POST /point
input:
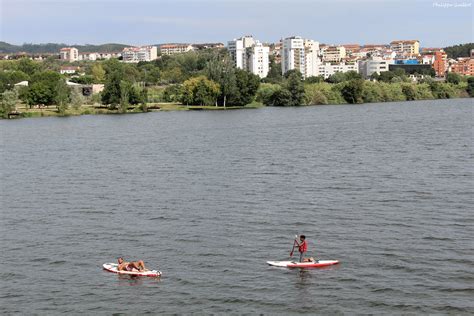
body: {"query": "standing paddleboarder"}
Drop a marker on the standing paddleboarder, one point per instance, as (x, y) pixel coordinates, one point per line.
(302, 247)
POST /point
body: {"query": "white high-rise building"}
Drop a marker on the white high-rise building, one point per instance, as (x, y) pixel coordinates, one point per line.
(249, 54)
(137, 54)
(293, 55)
(237, 49)
(300, 54)
(258, 60)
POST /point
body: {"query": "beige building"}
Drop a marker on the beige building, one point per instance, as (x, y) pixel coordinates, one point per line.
(406, 47)
(171, 49)
(69, 54)
(334, 53)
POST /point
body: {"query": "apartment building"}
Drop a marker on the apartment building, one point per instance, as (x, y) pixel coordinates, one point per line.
(293, 55)
(69, 54)
(202, 46)
(463, 66)
(351, 48)
(300, 54)
(137, 54)
(88, 56)
(171, 49)
(406, 47)
(238, 50)
(334, 53)
(440, 63)
(258, 59)
(250, 54)
(328, 69)
(373, 65)
(312, 60)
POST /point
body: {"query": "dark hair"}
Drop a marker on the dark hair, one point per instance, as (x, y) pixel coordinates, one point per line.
(303, 236)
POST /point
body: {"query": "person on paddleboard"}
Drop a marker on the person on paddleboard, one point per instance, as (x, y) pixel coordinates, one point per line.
(302, 247)
(131, 266)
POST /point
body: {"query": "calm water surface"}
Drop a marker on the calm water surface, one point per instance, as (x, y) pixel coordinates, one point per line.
(208, 197)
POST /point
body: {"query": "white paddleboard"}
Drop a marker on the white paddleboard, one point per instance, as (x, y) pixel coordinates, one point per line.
(112, 267)
(296, 264)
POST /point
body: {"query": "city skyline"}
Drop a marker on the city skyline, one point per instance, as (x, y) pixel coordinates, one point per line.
(435, 24)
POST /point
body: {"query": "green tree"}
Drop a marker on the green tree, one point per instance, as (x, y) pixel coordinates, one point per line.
(199, 91)
(314, 79)
(87, 79)
(77, 99)
(222, 72)
(337, 77)
(352, 91)
(386, 76)
(39, 93)
(98, 73)
(461, 50)
(274, 72)
(453, 78)
(144, 100)
(265, 92)
(125, 89)
(172, 93)
(352, 75)
(470, 86)
(61, 96)
(442, 91)
(295, 86)
(409, 91)
(8, 102)
(9, 78)
(28, 66)
(281, 97)
(246, 87)
(111, 94)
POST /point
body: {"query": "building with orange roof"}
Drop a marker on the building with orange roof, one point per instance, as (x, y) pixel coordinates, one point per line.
(463, 66)
(69, 54)
(171, 49)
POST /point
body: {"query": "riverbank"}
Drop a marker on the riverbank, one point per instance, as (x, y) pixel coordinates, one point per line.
(49, 111)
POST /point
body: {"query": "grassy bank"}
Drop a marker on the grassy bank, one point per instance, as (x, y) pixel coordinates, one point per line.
(50, 111)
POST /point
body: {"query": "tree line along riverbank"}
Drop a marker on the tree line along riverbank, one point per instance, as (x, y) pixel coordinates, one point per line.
(201, 80)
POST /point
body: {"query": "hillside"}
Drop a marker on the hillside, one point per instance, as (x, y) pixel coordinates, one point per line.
(461, 50)
(6, 48)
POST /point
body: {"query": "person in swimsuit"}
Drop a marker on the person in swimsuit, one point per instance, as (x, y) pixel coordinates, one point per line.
(134, 266)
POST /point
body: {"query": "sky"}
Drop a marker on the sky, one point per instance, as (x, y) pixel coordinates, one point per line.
(436, 23)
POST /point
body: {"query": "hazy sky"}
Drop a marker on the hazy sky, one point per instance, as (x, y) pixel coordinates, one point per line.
(434, 23)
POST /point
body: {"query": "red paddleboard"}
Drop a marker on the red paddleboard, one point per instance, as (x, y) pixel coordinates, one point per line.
(311, 264)
(112, 267)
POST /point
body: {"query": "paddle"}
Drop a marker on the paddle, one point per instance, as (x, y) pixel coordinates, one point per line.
(294, 243)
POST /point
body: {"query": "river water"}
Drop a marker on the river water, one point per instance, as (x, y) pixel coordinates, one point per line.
(209, 197)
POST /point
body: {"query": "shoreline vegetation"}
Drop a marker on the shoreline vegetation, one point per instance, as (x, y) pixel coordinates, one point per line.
(204, 80)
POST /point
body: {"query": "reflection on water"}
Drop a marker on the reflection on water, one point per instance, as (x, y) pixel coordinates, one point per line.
(131, 280)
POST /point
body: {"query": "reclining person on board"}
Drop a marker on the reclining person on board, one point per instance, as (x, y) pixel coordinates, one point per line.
(134, 266)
